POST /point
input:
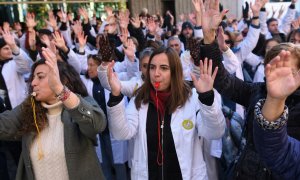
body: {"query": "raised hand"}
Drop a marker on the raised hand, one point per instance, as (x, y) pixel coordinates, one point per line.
(221, 40)
(256, 7)
(211, 18)
(9, 39)
(30, 20)
(59, 41)
(143, 21)
(206, 81)
(171, 18)
(113, 80)
(53, 79)
(124, 18)
(281, 79)
(77, 28)
(135, 21)
(192, 18)
(109, 11)
(82, 39)
(151, 26)
(246, 11)
(130, 49)
(52, 20)
(84, 14)
(197, 5)
(124, 35)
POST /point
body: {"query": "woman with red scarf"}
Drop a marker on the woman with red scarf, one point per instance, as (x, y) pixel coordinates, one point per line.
(166, 119)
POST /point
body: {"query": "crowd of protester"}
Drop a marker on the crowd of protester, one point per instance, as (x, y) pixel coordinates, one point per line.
(145, 97)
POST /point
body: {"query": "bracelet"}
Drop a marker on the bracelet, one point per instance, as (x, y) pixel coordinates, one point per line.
(255, 17)
(267, 125)
(64, 94)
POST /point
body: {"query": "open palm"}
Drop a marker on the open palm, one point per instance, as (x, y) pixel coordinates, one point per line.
(53, 80)
(211, 16)
(206, 81)
(113, 80)
(280, 78)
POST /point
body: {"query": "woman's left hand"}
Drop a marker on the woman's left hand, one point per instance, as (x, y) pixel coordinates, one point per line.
(206, 81)
(53, 79)
(280, 78)
(113, 80)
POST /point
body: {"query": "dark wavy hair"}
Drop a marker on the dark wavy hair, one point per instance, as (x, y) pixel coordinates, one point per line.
(68, 76)
(180, 90)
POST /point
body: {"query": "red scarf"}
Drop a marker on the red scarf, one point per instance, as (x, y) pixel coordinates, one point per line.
(159, 99)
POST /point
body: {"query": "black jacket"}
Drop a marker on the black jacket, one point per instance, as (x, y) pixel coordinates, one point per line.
(249, 165)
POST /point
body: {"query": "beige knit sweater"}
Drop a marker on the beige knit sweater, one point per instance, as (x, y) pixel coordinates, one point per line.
(53, 164)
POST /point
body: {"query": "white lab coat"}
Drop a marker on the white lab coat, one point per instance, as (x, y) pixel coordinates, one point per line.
(12, 73)
(209, 123)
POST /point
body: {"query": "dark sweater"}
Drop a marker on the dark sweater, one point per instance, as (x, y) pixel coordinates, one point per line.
(170, 162)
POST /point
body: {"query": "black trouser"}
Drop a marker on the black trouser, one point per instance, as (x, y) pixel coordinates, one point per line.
(9, 158)
(3, 167)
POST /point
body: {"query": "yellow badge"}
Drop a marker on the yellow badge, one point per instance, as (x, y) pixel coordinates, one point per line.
(136, 87)
(187, 124)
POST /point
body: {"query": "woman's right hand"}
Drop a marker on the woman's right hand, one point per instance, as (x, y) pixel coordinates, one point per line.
(113, 80)
(221, 40)
(54, 79)
(211, 19)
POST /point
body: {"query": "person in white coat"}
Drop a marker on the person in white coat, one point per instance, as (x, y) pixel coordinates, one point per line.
(112, 153)
(167, 120)
(14, 64)
(259, 75)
